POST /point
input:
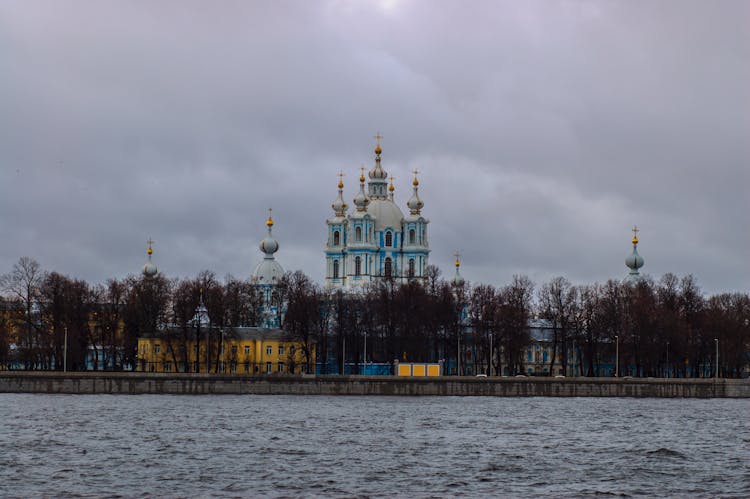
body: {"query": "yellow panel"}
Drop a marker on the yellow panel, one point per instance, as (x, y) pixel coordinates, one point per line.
(433, 370)
(419, 370)
(404, 369)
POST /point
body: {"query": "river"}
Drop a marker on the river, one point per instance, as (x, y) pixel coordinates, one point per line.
(290, 446)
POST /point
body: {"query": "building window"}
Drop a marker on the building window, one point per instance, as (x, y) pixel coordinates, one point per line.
(157, 348)
(528, 356)
(358, 234)
(247, 350)
(291, 351)
(335, 269)
(233, 367)
(358, 265)
(269, 350)
(389, 238)
(411, 267)
(336, 238)
(268, 368)
(412, 236)
(281, 367)
(167, 367)
(234, 350)
(247, 368)
(281, 350)
(388, 270)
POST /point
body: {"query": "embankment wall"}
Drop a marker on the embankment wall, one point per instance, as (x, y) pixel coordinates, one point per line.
(201, 384)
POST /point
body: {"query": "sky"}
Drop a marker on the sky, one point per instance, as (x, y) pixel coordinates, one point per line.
(542, 130)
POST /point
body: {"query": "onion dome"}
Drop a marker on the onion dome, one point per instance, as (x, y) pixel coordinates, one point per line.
(268, 271)
(415, 204)
(149, 270)
(361, 200)
(269, 245)
(339, 206)
(634, 261)
(457, 280)
(377, 173)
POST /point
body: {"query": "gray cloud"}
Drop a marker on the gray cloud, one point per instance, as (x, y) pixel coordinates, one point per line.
(543, 130)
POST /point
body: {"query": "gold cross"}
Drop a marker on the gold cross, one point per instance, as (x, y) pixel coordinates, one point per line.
(457, 254)
(341, 175)
(378, 137)
(150, 242)
(635, 231)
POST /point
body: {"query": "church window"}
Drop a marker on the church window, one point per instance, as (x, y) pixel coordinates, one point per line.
(358, 265)
(412, 236)
(388, 268)
(247, 350)
(336, 238)
(411, 267)
(389, 239)
(358, 234)
(335, 269)
(269, 350)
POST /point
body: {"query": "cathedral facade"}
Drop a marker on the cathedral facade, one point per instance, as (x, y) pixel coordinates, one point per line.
(375, 241)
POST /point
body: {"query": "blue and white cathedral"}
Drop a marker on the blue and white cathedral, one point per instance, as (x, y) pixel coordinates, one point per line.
(375, 240)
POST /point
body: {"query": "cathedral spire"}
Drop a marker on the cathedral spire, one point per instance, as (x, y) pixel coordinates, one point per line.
(634, 261)
(361, 200)
(378, 176)
(415, 204)
(339, 206)
(269, 245)
(149, 270)
(457, 280)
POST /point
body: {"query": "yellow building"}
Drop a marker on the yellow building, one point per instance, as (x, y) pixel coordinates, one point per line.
(245, 350)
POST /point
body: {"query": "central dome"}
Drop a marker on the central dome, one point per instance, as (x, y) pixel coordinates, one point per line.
(386, 214)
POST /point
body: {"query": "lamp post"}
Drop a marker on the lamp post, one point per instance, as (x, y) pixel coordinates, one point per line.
(343, 355)
(65, 351)
(716, 340)
(490, 368)
(667, 359)
(365, 355)
(617, 356)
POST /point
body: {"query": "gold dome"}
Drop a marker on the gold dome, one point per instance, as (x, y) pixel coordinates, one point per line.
(378, 150)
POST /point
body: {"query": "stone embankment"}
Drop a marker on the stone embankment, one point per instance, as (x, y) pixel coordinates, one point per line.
(202, 384)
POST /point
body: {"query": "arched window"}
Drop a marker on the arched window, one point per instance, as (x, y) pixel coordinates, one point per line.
(336, 238)
(389, 238)
(358, 265)
(388, 268)
(412, 236)
(358, 234)
(411, 267)
(335, 269)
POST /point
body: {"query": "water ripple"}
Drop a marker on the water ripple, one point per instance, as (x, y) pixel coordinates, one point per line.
(286, 446)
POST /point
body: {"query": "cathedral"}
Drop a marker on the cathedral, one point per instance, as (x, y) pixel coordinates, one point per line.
(375, 240)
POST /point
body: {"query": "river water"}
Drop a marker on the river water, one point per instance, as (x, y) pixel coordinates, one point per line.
(240, 446)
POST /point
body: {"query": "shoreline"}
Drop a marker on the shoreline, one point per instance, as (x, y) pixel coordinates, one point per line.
(134, 383)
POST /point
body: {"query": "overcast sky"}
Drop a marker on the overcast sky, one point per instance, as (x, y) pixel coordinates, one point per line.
(543, 130)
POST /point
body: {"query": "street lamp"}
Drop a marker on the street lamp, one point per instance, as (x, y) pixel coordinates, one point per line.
(716, 340)
(667, 359)
(490, 368)
(65, 351)
(617, 356)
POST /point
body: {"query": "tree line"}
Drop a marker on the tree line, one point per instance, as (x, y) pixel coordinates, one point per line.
(657, 326)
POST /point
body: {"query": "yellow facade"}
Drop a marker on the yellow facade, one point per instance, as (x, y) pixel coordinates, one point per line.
(243, 355)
